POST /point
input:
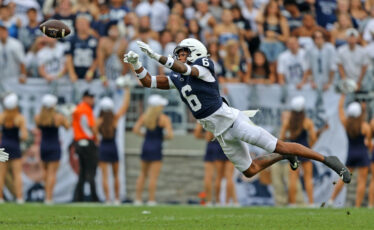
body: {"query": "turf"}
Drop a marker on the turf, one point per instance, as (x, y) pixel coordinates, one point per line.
(87, 216)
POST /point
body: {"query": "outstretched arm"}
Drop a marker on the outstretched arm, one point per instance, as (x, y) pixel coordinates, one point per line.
(160, 82)
(169, 62)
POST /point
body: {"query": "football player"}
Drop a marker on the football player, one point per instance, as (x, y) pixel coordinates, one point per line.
(194, 78)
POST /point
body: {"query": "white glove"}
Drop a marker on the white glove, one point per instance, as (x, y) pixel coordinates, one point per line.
(125, 81)
(147, 50)
(3, 155)
(133, 59)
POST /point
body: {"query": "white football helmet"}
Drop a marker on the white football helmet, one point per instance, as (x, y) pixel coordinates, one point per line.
(195, 47)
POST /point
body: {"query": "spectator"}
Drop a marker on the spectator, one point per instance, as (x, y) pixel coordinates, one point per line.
(11, 57)
(352, 59)
(118, 10)
(274, 29)
(294, 16)
(14, 130)
(175, 24)
(51, 60)
(325, 13)
(306, 31)
(227, 30)
(260, 71)
(338, 33)
(194, 29)
(144, 34)
(110, 52)
(369, 5)
(81, 57)
(101, 25)
(359, 142)
(178, 9)
(250, 13)
(235, 67)
(300, 129)
(245, 31)
(155, 122)
(127, 27)
(10, 22)
(189, 9)
(157, 11)
(65, 14)
(369, 27)
(28, 33)
(85, 135)
(31, 61)
(215, 8)
(214, 56)
(204, 17)
(108, 154)
(19, 10)
(321, 63)
(168, 46)
(357, 11)
(87, 8)
(49, 121)
(291, 64)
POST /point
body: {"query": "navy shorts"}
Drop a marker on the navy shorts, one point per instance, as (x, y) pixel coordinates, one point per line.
(108, 151)
(358, 159)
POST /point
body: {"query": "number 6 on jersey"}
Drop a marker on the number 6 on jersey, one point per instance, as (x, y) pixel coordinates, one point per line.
(192, 99)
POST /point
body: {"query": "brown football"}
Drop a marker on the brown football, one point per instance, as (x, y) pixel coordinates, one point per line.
(55, 29)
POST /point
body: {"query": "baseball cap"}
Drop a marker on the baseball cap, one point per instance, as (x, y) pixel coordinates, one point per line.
(352, 32)
(354, 110)
(298, 103)
(49, 100)
(11, 101)
(106, 104)
(157, 100)
(88, 93)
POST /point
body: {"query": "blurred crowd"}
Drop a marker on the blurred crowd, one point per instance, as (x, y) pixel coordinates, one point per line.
(295, 42)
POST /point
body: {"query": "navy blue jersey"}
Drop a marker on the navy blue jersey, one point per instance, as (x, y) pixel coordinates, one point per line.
(202, 97)
(325, 12)
(83, 53)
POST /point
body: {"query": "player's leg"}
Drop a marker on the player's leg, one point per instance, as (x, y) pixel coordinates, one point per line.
(371, 187)
(219, 176)
(16, 166)
(3, 170)
(144, 166)
(255, 135)
(115, 169)
(154, 171)
(293, 178)
(361, 185)
(104, 177)
(308, 180)
(208, 180)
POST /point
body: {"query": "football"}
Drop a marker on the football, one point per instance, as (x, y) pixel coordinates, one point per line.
(54, 29)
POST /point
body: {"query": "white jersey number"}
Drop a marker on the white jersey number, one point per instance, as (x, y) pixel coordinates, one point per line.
(192, 100)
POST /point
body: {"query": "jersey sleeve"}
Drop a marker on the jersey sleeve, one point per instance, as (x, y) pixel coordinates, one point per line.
(205, 62)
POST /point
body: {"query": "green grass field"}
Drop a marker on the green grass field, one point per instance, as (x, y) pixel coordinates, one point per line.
(87, 216)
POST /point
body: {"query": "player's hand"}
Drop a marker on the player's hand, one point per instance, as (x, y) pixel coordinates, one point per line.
(3, 155)
(133, 59)
(148, 50)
